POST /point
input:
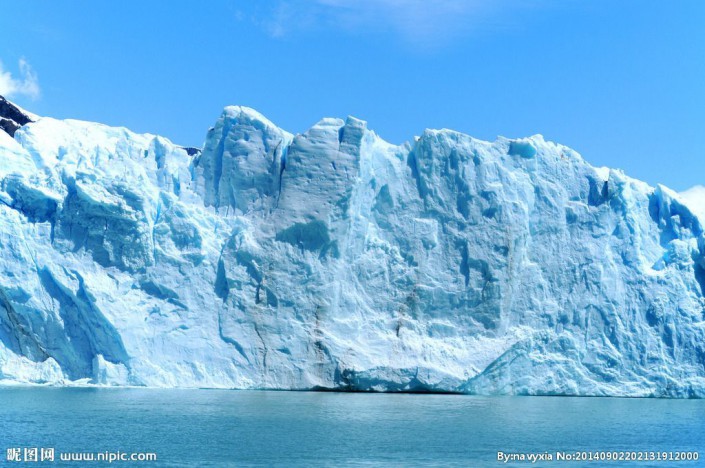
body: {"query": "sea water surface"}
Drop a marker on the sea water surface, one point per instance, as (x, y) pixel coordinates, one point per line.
(253, 428)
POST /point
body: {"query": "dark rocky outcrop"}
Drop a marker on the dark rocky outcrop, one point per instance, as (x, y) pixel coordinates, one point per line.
(11, 117)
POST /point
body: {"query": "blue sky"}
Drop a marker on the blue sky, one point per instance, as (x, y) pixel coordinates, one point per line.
(622, 82)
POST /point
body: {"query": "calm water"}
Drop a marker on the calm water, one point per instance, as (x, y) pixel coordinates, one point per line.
(231, 428)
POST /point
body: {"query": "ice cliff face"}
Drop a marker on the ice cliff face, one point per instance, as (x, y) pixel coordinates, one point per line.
(335, 260)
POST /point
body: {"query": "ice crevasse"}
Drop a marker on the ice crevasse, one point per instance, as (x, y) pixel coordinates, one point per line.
(335, 260)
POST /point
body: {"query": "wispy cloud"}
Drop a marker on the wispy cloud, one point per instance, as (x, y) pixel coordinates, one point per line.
(416, 21)
(25, 84)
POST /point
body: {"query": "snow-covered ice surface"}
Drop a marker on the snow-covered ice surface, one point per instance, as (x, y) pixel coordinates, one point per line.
(694, 198)
(335, 260)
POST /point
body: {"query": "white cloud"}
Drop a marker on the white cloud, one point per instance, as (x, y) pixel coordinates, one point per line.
(26, 84)
(420, 22)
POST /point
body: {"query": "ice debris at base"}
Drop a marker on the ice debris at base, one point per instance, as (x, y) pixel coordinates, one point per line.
(335, 260)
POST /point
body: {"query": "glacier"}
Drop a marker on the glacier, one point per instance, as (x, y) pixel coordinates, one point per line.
(333, 260)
